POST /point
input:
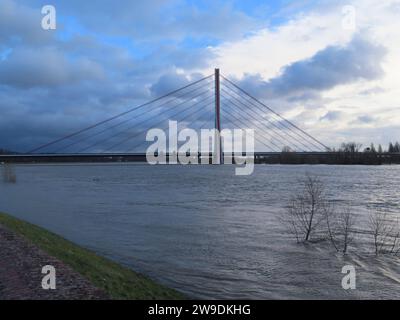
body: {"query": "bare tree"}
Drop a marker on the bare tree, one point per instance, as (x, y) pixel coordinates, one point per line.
(346, 224)
(341, 228)
(306, 210)
(395, 243)
(351, 147)
(385, 233)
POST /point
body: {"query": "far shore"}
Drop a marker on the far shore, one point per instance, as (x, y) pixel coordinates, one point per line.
(290, 158)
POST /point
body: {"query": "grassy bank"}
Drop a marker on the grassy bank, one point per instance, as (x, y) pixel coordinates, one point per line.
(119, 282)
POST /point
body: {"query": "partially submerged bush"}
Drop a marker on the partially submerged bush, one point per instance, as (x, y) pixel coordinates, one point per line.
(306, 210)
(310, 215)
(340, 225)
(385, 232)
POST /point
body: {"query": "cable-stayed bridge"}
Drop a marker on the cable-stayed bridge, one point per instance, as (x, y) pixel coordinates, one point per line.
(211, 102)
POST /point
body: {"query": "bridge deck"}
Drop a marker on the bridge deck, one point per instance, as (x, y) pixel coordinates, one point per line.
(260, 157)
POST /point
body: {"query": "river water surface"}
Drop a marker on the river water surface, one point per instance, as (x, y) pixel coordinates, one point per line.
(205, 231)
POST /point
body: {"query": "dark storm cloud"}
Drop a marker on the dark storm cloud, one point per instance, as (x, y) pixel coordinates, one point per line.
(335, 65)
(27, 67)
(21, 24)
(50, 86)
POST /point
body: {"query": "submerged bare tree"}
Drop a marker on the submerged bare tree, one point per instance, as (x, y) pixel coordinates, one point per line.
(385, 232)
(306, 210)
(341, 228)
(395, 241)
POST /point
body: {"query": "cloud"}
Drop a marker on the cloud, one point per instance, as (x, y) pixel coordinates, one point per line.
(169, 82)
(365, 119)
(22, 24)
(372, 91)
(332, 116)
(333, 66)
(27, 67)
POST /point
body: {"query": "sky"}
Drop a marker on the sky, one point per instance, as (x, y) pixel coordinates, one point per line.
(331, 67)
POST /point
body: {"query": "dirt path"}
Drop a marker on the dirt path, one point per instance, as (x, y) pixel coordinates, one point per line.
(21, 278)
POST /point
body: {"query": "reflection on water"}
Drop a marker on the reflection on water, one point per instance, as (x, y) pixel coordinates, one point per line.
(205, 231)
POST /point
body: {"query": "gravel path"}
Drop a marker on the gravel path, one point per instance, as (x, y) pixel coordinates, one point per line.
(21, 278)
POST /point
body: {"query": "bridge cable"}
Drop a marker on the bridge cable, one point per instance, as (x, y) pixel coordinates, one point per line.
(130, 137)
(277, 114)
(205, 111)
(230, 116)
(247, 110)
(258, 127)
(255, 137)
(138, 124)
(122, 122)
(116, 116)
(291, 130)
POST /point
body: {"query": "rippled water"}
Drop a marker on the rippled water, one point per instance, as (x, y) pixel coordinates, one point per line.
(207, 232)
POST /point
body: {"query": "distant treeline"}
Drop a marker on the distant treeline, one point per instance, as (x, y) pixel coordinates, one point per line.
(5, 151)
(358, 147)
(340, 158)
(351, 153)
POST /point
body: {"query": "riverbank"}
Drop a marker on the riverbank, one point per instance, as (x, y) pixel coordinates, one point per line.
(80, 273)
